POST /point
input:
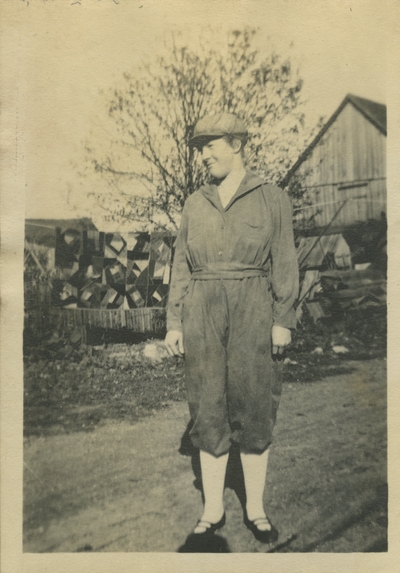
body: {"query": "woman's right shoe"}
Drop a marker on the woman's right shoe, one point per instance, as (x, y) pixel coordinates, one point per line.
(210, 527)
(263, 535)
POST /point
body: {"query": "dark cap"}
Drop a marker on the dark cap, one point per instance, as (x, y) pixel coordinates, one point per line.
(214, 126)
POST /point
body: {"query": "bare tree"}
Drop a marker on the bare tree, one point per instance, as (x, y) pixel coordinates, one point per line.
(158, 104)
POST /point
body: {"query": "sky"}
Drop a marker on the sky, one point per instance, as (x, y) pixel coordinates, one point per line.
(67, 52)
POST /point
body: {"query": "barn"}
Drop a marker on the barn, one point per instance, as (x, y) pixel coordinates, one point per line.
(343, 170)
(340, 219)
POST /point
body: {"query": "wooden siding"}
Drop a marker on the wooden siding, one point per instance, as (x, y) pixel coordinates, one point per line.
(362, 203)
(348, 162)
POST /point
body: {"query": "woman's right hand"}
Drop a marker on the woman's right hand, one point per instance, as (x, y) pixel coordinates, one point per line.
(174, 343)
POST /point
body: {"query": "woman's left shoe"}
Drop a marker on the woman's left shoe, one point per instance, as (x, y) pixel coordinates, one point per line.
(263, 535)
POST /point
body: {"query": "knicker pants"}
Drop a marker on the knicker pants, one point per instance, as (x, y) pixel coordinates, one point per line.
(233, 387)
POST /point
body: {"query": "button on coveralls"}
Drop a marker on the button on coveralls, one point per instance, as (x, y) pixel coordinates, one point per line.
(234, 275)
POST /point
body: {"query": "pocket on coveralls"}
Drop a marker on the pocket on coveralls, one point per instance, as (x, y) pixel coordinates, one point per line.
(253, 230)
(253, 224)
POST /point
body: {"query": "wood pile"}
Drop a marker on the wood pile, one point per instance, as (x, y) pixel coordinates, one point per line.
(325, 292)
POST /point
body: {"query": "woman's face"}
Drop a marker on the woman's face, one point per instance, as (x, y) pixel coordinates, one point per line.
(218, 156)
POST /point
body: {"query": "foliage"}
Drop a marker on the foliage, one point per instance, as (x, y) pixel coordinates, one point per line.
(38, 271)
(156, 107)
(301, 199)
(368, 242)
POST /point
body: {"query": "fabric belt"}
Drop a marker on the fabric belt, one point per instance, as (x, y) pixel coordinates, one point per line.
(230, 273)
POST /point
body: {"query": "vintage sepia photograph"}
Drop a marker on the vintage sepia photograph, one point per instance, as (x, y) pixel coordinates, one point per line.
(203, 277)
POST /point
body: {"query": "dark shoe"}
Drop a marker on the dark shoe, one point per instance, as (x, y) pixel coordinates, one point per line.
(210, 527)
(265, 536)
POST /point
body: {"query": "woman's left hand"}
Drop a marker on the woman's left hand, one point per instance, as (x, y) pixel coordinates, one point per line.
(281, 337)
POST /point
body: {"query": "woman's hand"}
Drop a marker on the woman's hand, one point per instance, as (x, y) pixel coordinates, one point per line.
(174, 343)
(281, 337)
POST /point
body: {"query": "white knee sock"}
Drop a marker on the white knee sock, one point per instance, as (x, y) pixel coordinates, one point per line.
(255, 473)
(213, 477)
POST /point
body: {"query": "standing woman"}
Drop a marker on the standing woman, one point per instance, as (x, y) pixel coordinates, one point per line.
(234, 283)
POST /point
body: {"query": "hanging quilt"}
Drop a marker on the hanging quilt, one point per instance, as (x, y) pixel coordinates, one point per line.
(112, 270)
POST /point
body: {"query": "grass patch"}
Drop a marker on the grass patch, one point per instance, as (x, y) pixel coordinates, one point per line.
(93, 385)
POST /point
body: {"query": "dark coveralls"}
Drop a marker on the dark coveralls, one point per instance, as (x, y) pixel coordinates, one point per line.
(235, 274)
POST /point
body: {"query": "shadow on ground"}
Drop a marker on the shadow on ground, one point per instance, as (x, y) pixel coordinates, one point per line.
(377, 505)
(235, 481)
(204, 544)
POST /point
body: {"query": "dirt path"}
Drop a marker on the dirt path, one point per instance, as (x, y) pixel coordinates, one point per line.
(126, 487)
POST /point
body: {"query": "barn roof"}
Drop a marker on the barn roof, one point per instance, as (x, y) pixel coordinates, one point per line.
(373, 111)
